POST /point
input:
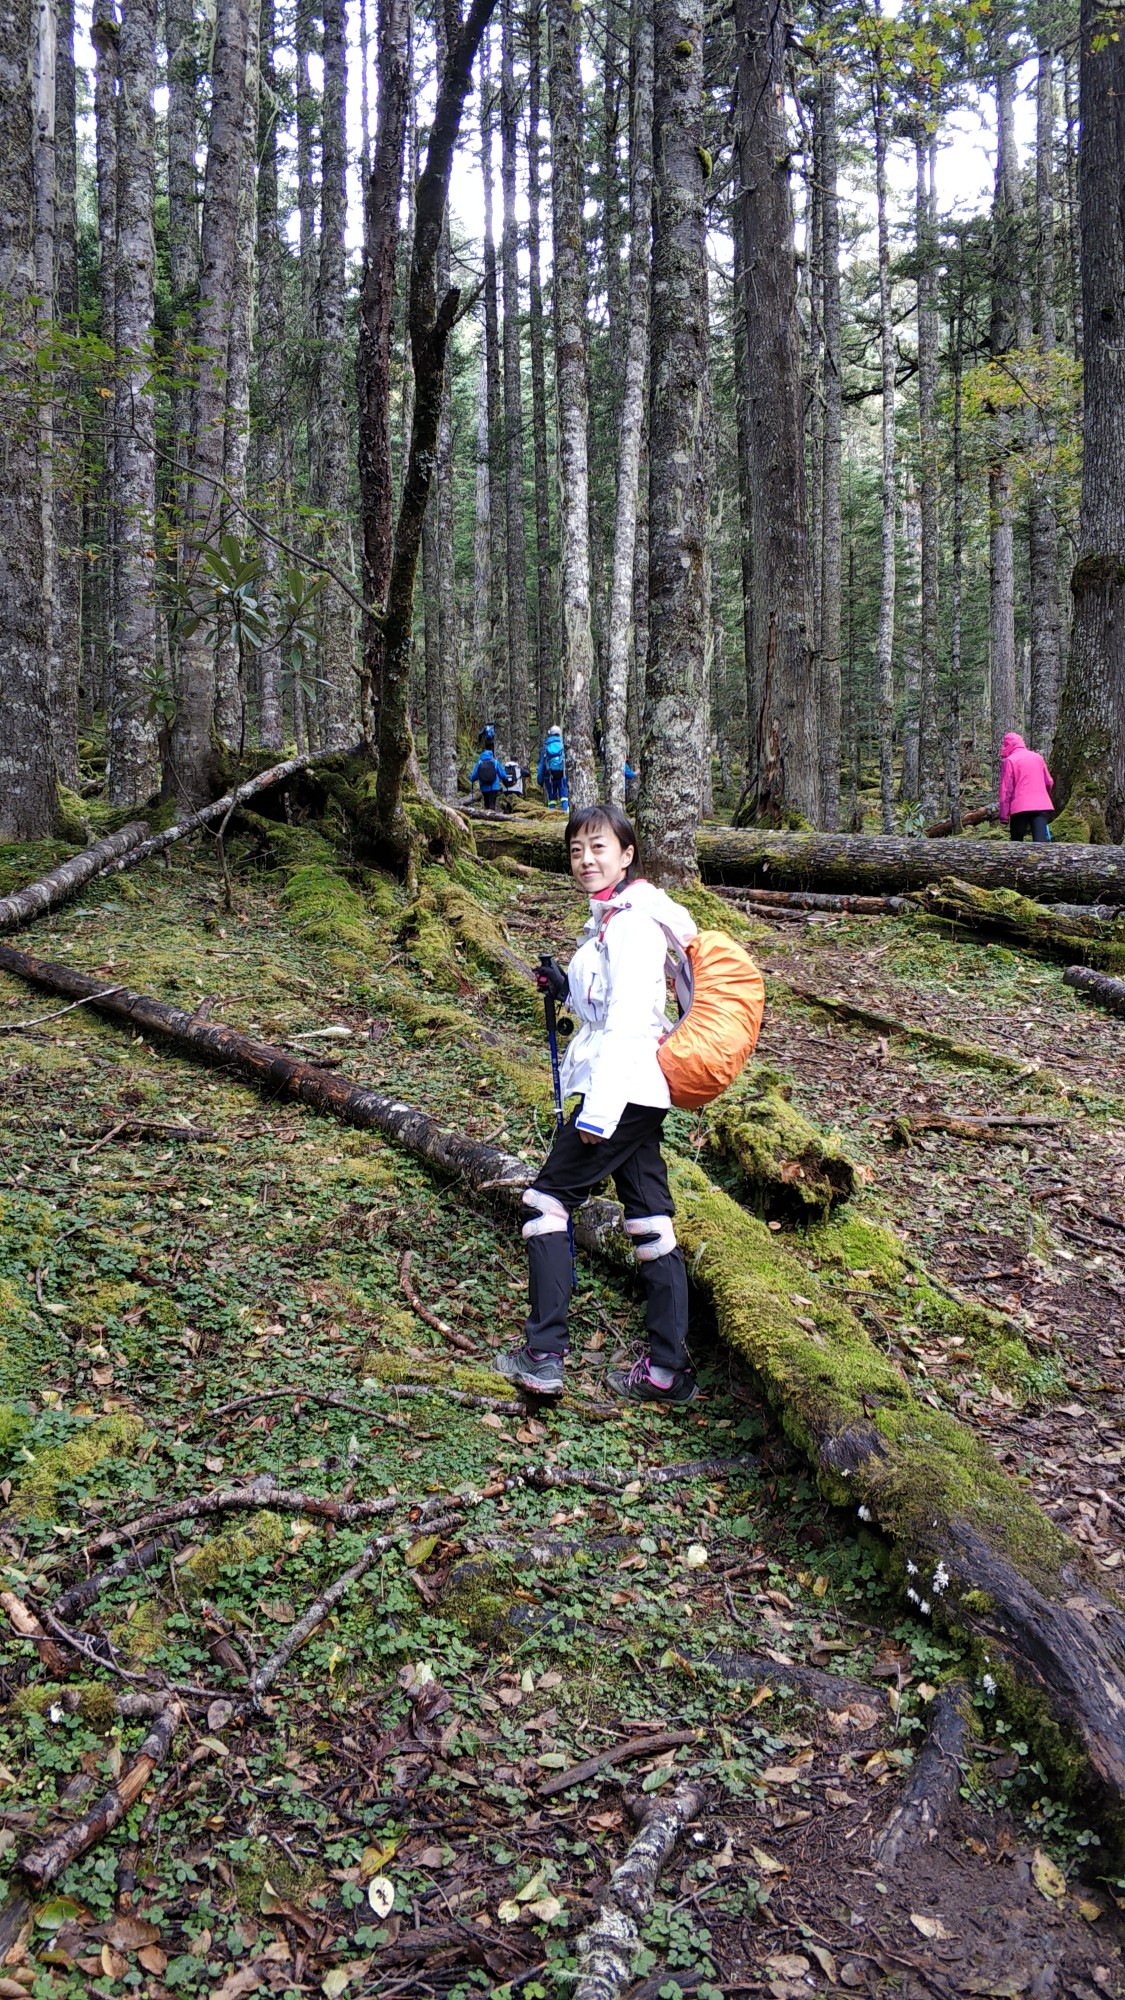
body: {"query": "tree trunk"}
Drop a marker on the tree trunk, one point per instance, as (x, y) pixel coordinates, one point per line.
(67, 653)
(440, 610)
(481, 675)
(306, 109)
(1003, 335)
(191, 755)
(183, 218)
(430, 323)
(1090, 752)
(272, 456)
(544, 587)
(929, 759)
(1043, 550)
(46, 191)
(103, 34)
(27, 791)
(678, 414)
(860, 864)
(133, 763)
(831, 516)
(783, 713)
(620, 624)
(376, 317)
(886, 676)
(569, 275)
(518, 745)
(230, 688)
(336, 661)
(497, 703)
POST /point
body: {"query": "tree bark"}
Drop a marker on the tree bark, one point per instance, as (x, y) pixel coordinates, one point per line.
(620, 624)
(782, 692)
(183, 217)
(496, 679)
(858, 863)
(544, 586)
(1090, 742)
(1108, 993)
(44, 57)
(67, 652)
(336, 661)
(569, 277)
(230, 679)
(27, 790)
(271, 435)
(133, 763)
(1003, 335)
(191, 752)
(103, 34)
(953, 739)
(430, 324)
(678, 413)
(70, 876)
(481, 668)
(373, 355)
(518, 744)
(307, 133)
(1043, 538)
(831, 516)
(929, 760)
(886, 678)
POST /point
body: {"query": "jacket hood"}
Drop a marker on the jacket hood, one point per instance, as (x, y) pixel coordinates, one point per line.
(554, 735)
(1012, 742)
(654, 903)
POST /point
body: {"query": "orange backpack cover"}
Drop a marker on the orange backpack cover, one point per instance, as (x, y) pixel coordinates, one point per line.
(722, 998)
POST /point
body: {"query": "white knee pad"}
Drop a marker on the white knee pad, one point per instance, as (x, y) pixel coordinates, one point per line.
(552, 1218)
(658, 1229)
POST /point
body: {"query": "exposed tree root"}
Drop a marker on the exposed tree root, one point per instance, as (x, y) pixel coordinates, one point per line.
(622, 1753)
(43, 1864)
(935, 1780)
(607, 1947)
(70, 876)
(439, 1325)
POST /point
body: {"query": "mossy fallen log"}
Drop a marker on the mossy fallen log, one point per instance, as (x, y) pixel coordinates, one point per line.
(970, 1543)
(788, 1169)
(855, 864)
(1060, 931)
(1109, 993)
(70, 876)
(971, 1546)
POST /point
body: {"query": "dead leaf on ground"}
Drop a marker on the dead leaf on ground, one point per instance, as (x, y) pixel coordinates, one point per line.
(928, 1927)
(1048, 1879)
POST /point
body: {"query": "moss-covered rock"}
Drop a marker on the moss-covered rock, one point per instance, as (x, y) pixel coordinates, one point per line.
(105, 1437)
(787, 1167)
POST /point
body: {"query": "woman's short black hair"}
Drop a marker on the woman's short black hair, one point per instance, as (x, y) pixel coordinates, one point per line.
(591, 819)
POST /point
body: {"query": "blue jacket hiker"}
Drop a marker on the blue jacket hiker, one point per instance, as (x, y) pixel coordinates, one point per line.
(552, 767)
(615, 984)
(488, 774)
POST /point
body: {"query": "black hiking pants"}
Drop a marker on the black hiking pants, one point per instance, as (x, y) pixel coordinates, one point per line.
(633, 1160)
(1033, 823)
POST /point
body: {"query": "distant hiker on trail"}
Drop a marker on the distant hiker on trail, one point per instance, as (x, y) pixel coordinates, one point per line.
(487, 737)
(1025, 789)
(616, 986)
(552, 767)
(630, 783)
(488, 774)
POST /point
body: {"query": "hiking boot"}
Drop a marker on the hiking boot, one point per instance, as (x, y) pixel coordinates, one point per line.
(638, 1386)
(539, 1374)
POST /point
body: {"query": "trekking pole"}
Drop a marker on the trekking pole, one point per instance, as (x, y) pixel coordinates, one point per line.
(545, 962)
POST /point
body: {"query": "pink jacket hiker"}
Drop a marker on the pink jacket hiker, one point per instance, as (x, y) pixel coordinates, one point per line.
(1025, 782)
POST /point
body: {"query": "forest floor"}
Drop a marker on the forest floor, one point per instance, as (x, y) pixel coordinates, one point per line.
(188, 1271)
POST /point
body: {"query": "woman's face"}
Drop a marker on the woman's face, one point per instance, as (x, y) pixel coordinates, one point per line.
(597, 859)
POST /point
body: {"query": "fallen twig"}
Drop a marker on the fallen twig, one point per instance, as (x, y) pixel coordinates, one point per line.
(39, 1020)
(502, 1405)
(606, 1948)
(441, 1326)
(816, 1682)
(328, 1402)
(261, 1492)
(318, 1611)
(43, 1864)
(82, 1594)
(639, 1746)
(27, 1625)
(644, 1475)
(934, 1781)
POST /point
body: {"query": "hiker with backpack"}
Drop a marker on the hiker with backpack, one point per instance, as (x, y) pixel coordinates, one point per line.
(488, 774)
(1025, 790)
(552, 767)
(615, 984)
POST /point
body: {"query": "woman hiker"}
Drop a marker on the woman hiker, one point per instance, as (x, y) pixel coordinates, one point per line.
(615, 985)
(1025, 789)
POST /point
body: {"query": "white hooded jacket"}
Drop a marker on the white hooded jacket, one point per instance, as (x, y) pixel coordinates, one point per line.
(618, 991)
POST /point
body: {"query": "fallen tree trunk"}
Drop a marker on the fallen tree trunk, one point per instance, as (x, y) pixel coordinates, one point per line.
(983, 1556)
(935, 1781)
(941, 827)
(788, 1169)
(1052, 930)
(222, 809)
(50, 890)
(852, 863)
(811, 899)
(606, 1949)
(45, 1863)
(1107, 992)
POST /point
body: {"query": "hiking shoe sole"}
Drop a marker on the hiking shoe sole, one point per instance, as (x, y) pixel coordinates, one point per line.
(634, 1389)
(538, 1376)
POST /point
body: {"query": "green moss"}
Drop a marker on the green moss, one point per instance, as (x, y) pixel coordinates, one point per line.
(327, 911)
(223, 1556)
(786, 1166)
(92, 1700)
(1033, 926)
(106, 1437)
(482, 1595)
(140, 1636)
(392, 1368)
(13, 1424)
(94, 1304)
